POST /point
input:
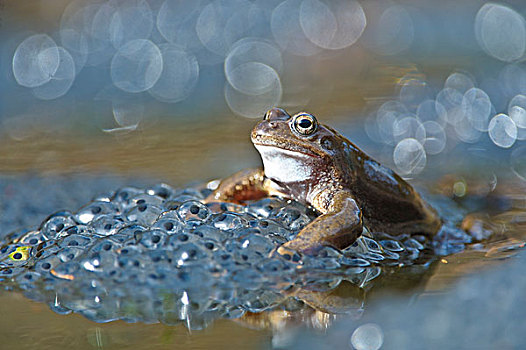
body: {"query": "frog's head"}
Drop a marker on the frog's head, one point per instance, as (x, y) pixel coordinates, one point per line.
(294, 148)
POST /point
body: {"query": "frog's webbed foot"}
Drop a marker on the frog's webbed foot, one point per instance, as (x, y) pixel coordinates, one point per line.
(339, 227)
(244, 185)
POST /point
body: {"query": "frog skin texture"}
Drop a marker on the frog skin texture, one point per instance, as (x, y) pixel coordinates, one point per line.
(315, 165)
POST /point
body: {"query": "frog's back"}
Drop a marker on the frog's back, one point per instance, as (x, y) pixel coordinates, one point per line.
(390, 204)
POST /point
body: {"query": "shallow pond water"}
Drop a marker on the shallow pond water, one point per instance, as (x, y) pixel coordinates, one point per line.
(97, 96)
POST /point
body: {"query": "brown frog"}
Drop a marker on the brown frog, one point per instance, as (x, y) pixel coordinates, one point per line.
(315, 165)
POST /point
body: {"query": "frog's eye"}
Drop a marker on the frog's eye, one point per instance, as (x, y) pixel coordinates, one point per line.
(305, 124)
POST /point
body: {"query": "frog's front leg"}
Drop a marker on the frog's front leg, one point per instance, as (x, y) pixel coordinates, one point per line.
(244, 185)
(339, 227)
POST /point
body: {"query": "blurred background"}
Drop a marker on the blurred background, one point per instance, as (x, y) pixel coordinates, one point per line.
(170, 88)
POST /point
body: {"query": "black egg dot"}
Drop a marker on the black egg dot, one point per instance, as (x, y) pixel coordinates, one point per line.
(17, 256)
(192, 253)
(156, 239)
(70, 256)
(209, 245)
(59, 227)
(194, 209)
(106, 246)
(142, 207)
(46, 266)
(96, 210)
(33, 241)
(107, 227)
(141, 201)
(168, 226)
(73, 243)
(263, 223)
(183, 238)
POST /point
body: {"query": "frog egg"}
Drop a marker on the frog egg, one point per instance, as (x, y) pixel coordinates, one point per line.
(161, 190)
(354, 262)
(27, 280)
(46, 264)
(212, 233)
(75, 241)
(264, 207)
(15, 255)
(229, 221)
(391, 245)
(46, 249)
(273, 266)
(371, 256)
(144, 214)
(171, 226)
(259, 301)
(151, 239)
(372, 245)
(87, 213)
(7, 273)
(193, 211)
(225, 259)
(274, 229)
(413, 244)
(54, 226)
(292, 218)
(124, 195)
(106, 225)
(256, 243)
(188, 254)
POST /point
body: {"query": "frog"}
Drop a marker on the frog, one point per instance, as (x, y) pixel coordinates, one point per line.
(311, 163)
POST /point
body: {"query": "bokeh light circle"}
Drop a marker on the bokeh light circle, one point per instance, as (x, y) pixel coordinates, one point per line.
(60, 82)
(136, 66)
(179, 75)
(409, 157)
(334, 24)
(502, 131)
(36, 60)
(501, 32)
(253, 106)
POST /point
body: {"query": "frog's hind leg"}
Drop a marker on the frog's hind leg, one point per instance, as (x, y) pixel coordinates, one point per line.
(339, 228)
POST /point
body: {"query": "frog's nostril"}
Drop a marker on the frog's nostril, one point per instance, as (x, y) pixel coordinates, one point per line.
(273, 125)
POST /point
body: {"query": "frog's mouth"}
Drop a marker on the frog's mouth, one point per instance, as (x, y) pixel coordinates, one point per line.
(284, 145)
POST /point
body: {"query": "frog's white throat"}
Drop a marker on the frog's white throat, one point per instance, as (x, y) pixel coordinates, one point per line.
(285, 166)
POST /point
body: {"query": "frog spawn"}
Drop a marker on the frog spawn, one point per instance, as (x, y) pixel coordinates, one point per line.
(160, 254)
